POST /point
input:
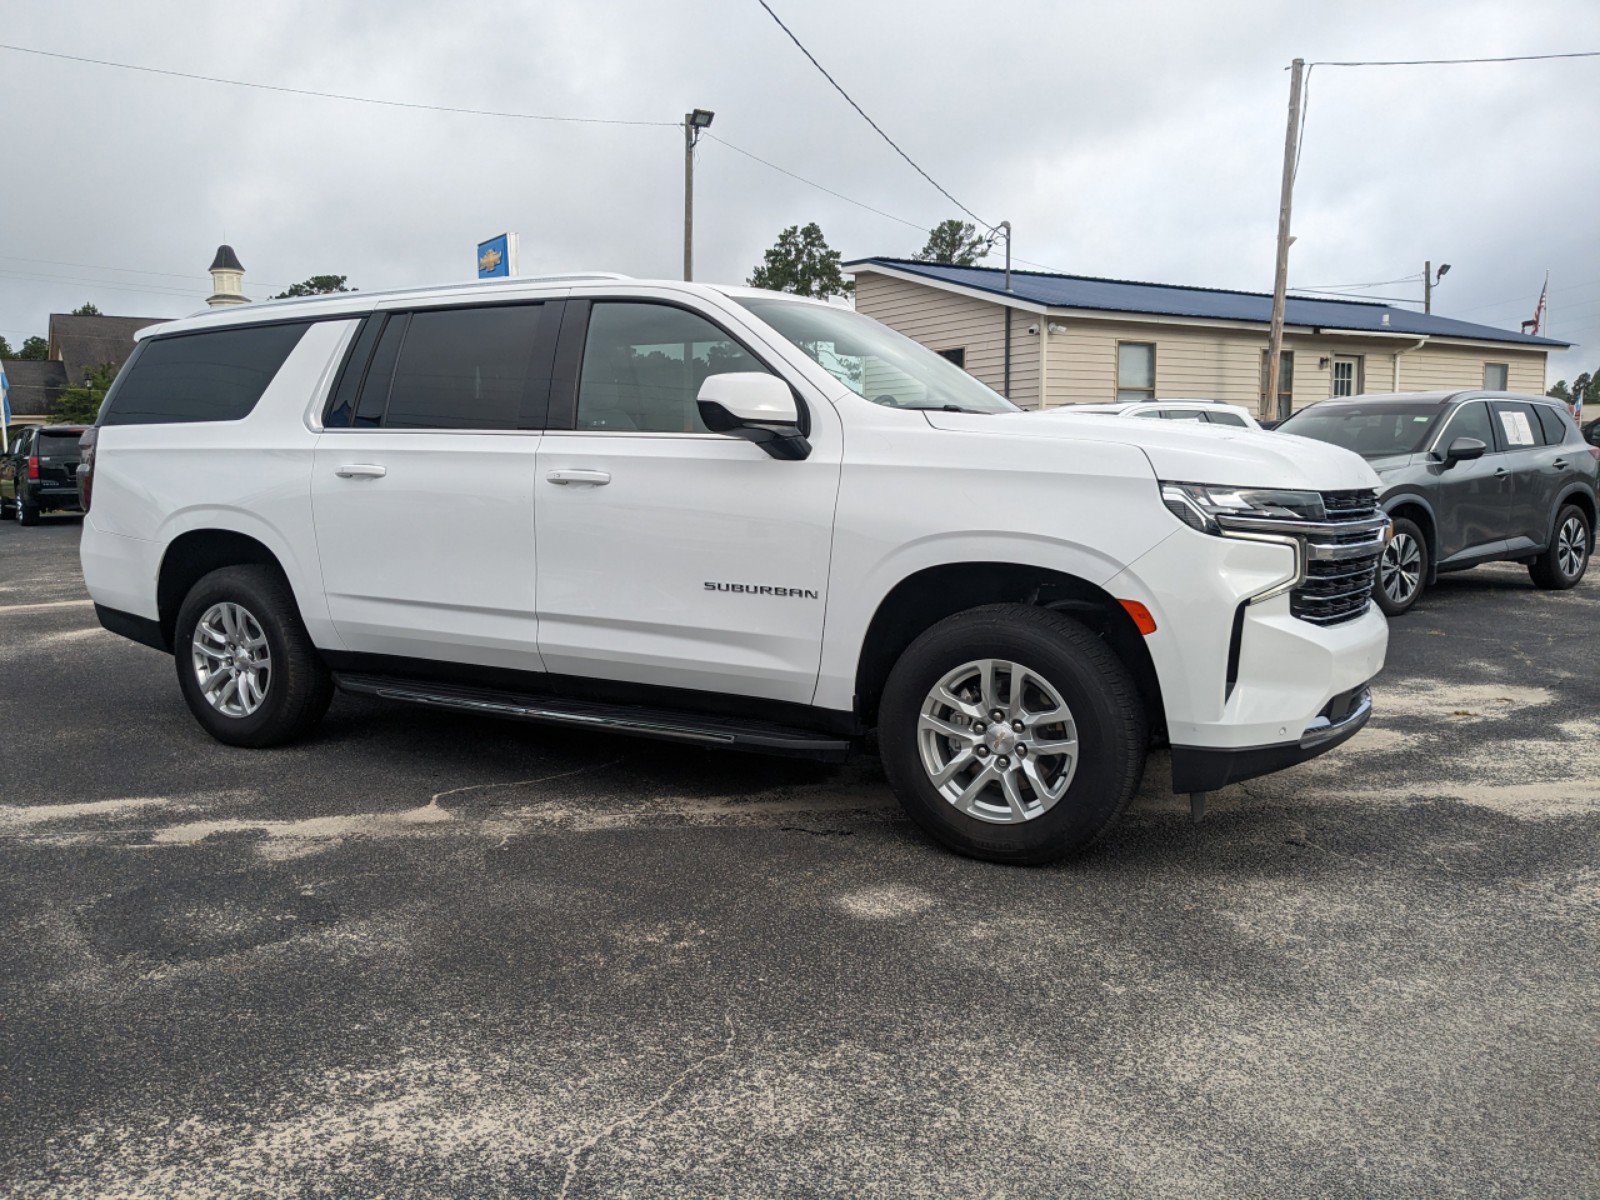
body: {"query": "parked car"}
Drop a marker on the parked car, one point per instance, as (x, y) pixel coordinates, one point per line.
(729, 518)
(1211, 412)
(40, 474)
(1469, 477)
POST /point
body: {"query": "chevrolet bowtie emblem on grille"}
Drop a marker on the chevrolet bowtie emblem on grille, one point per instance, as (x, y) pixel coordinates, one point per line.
(490, 260)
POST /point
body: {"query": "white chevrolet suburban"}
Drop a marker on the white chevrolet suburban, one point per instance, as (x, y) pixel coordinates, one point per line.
(730, 518)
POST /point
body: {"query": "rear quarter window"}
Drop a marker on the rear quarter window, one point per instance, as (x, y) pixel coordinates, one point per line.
(214, 376)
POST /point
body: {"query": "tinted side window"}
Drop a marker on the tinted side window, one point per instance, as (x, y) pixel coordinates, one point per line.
(1517, 425)
(200, 376)
(1556, 430)
(1470, 420)
(1184, 414)
(464, 368)
(1227, 418)
(341, 405)
(643, 365)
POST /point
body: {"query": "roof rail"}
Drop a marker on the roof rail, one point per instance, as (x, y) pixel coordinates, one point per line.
(501, 281)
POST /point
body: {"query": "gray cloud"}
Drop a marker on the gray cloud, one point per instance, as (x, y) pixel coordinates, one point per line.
(1130, 140)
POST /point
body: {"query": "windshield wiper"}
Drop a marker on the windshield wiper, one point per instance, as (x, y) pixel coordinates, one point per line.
(940, 408)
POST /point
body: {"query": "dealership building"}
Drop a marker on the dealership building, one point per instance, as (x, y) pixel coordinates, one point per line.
(1071, 339)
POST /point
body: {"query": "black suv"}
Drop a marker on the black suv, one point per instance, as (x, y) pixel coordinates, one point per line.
(40, 472)
(1469, 477)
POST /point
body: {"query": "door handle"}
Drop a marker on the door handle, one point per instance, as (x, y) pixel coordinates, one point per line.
(597, 478)
(1560, 464)
(362, 471)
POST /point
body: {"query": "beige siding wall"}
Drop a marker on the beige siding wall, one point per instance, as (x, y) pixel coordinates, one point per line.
(945, 321)
(1191, 360)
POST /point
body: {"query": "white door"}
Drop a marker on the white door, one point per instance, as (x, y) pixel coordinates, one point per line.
(424, 501)
(1346, 376)
(669, 555)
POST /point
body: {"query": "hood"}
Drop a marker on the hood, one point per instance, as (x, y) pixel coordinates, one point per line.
(1185, 452)
(1390, 462)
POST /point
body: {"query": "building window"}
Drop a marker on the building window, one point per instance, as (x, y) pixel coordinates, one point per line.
(1136, 371)
(1285, 379)
(1346, 375)
(1496, 377)
(958, 355)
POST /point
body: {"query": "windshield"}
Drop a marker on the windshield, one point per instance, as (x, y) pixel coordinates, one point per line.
(874, 361)
(1371, 430)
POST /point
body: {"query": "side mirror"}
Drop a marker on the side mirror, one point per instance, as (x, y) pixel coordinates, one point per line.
(758, 407)
(1464, 449)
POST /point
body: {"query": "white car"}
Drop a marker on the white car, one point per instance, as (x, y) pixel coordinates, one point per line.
(731, 518)
(1210, 412)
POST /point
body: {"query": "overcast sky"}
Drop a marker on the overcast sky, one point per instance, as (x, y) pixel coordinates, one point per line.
(1137, 141)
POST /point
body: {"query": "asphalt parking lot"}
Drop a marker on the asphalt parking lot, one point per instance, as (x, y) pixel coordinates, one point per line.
(425, 954)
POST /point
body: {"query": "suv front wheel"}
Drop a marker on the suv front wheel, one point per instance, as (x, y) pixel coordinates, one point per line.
(1012, 734)
(1402, 569)
(246, 665)
(1567, 557)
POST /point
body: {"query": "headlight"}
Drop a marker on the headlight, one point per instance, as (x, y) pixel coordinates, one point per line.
(1198, 505)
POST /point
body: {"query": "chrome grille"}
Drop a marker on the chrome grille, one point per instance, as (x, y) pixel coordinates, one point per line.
(1341, 563)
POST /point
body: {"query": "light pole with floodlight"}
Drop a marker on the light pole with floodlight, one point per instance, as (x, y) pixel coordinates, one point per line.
(693, 123)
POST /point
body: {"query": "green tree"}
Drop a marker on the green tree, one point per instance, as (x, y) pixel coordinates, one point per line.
(80, 403)
(1560, 392)
(87, 310)
(5, 348)
(803, 263)
(956, 242)
(35, 349)
(317, 285)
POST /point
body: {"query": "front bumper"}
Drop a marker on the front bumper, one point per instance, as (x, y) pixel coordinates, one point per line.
(1205, 768)
(1247, 687)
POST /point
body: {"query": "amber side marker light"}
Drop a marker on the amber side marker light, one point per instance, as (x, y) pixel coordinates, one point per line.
(1141, 616)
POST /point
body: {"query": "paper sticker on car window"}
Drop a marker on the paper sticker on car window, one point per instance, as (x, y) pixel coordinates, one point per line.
(1516, 428)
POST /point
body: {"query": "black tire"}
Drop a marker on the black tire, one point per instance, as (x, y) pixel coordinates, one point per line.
(1409, 541)
(27, 514)
(1106, 709)
(298, 687)
(1570, 537)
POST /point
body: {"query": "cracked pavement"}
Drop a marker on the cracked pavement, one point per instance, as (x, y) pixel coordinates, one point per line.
(424, 954)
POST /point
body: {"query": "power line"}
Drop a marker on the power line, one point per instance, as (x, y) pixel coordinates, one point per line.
(190, 275)
(836, 87)
(294, 91)
(1455, 62)
(810, 183)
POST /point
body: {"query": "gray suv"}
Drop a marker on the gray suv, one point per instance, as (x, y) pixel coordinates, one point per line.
(1469, 477)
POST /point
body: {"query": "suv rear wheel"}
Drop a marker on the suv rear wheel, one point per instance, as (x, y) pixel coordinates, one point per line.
(1012, 734)
(1567, 557)
(246, 665)
(27, 514)
(1402, 569)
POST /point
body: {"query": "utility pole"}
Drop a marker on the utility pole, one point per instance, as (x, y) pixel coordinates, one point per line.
(1280, 285)
(693, 123)
(1005, 387)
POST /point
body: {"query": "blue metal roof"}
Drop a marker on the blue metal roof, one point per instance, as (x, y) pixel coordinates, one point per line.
(1170, 300)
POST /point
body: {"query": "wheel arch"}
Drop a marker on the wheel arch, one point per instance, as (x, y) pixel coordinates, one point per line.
(1415, 507)
(191, 556)
(927, 596)
(1579, 495)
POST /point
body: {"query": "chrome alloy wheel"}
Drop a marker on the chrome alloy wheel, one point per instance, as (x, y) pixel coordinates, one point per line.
(1400, 568)
(231, 659)
(1572, 546)
(998, 741)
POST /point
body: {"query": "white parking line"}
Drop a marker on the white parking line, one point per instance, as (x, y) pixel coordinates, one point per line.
(11, 608)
